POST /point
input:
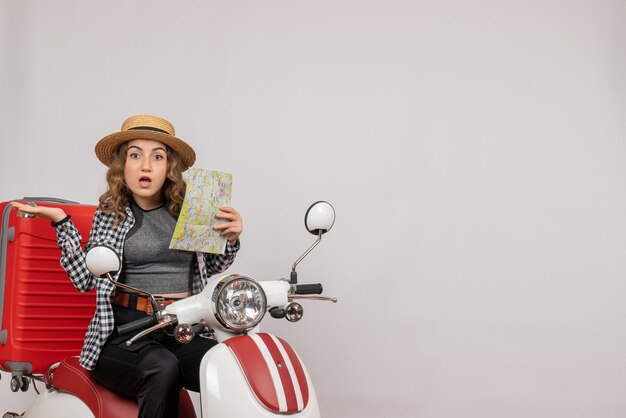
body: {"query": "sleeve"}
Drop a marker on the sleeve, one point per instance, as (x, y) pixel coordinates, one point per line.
(73, 256)
(217, 263)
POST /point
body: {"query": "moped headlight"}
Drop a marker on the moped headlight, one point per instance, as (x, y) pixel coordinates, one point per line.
(240, 302)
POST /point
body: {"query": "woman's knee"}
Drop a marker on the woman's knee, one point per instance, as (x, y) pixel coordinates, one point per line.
(161, 365)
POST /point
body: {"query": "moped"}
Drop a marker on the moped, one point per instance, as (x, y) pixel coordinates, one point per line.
(247, 374)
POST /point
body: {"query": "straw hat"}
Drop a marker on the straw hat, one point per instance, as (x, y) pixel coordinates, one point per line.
(145, 127)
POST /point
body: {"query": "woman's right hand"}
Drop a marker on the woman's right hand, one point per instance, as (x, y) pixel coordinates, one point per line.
(53, 214)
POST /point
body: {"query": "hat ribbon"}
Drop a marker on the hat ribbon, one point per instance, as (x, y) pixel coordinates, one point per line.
(149, 128)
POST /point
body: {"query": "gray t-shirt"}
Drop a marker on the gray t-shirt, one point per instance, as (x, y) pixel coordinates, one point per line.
(148, 263)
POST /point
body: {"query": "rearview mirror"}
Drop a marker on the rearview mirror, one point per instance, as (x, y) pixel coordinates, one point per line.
(101, 260)
(319, 218)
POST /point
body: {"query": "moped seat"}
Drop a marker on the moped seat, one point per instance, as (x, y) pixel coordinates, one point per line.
(71, 377)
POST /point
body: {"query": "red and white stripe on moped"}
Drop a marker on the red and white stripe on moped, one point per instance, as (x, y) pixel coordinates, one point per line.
(273, 371)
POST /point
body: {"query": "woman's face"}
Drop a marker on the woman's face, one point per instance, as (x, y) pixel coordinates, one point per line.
(145, 171)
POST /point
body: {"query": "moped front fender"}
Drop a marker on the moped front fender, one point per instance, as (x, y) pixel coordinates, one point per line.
(227, 383)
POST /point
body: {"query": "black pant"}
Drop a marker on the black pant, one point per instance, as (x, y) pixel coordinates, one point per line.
(153, 370)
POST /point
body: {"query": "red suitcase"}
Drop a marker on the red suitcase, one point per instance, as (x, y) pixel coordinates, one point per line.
(43, 318)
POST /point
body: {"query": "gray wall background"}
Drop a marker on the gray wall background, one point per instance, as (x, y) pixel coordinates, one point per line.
(474, 152)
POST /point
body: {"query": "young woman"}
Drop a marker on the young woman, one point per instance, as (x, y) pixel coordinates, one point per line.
(136, 217)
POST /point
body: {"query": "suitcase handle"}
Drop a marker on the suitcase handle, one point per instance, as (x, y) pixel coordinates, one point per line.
(51, 199)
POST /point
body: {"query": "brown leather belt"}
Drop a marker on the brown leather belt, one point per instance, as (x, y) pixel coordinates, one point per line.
(139, 303)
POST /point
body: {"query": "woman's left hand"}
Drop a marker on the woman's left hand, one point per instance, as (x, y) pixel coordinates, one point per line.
(233, 226)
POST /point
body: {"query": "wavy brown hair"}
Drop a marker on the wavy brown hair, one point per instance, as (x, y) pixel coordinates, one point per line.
(119, 195)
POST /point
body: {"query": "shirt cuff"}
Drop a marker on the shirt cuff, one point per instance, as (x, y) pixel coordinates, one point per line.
(61, 222)
(232, 248)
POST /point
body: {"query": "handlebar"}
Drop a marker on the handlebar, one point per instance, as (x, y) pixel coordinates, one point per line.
(136, 325)
(309, 289)
(153, 322)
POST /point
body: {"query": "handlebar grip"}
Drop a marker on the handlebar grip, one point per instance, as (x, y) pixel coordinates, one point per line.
(136, 325)
(309, 289)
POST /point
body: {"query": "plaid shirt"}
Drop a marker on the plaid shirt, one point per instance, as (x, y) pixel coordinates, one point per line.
(103, 233)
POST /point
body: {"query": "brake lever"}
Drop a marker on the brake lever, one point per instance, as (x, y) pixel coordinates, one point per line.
(325, 298)
(166, 321)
